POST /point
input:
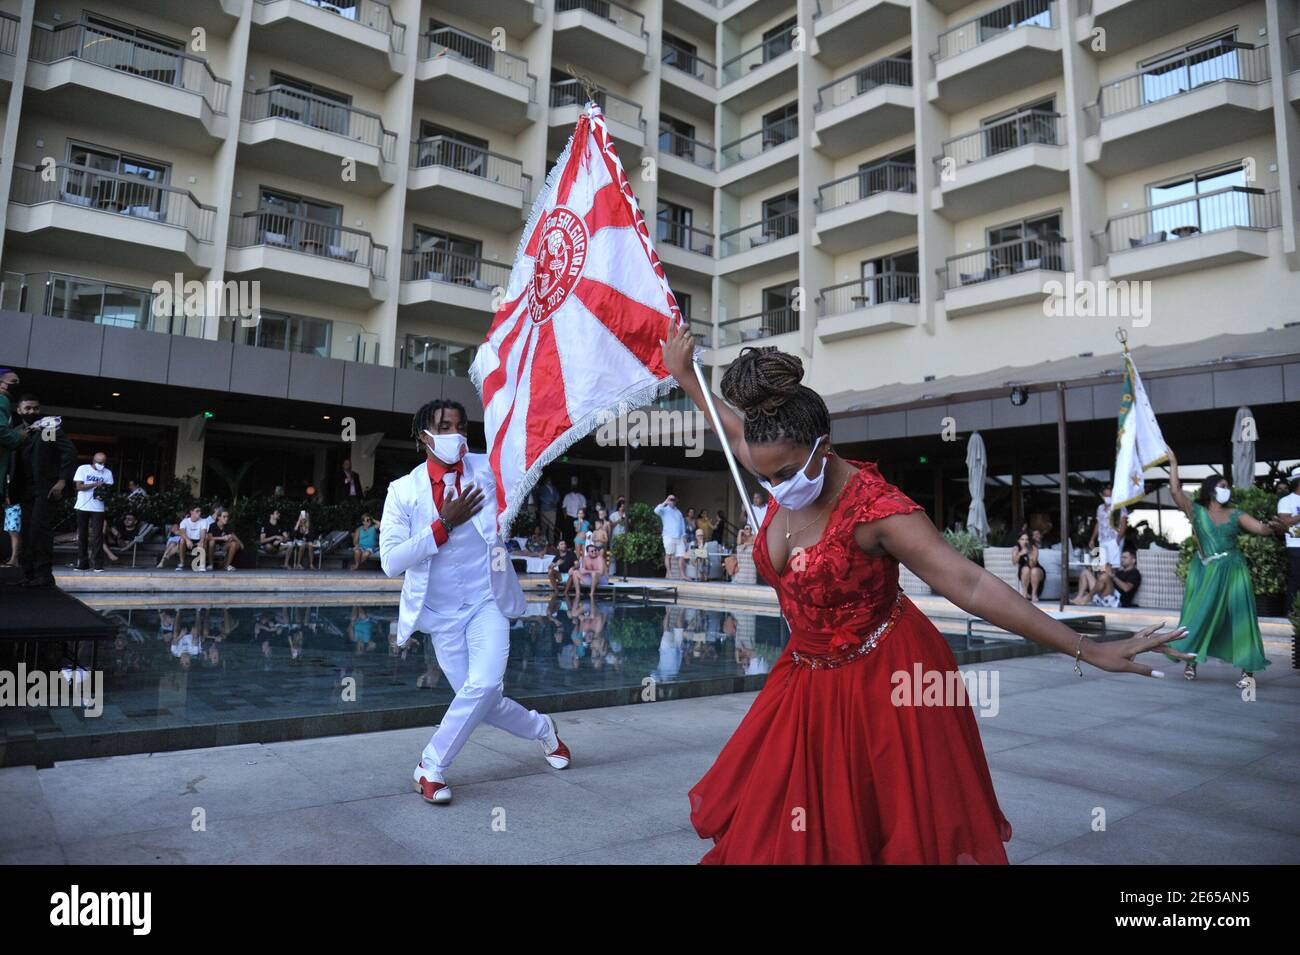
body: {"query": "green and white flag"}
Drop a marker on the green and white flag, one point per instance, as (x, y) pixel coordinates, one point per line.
(1138, 444)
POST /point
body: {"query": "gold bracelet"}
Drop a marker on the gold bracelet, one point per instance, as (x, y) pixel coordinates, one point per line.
(1078, 652)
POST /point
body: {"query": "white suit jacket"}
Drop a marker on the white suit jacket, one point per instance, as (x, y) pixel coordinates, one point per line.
(406, 544)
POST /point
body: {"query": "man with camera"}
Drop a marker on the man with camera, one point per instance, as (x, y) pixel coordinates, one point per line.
(92, 482)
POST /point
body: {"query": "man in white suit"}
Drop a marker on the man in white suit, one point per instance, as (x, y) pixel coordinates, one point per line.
(439, 529)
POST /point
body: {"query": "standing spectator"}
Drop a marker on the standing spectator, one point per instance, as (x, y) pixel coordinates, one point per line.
(548, 502)
(705, 523)
(192, 531)
(1288, 518)
(690, 523)
(1106, 536)
(13, 526)
(759, 502)
(92, 481)
(674, 535)
(365, 542)
(581, 527)
(10, 438)
(573, 502)
(222, 535)
(602, 529)
(720, 527)
(43, 466)
(348, 482)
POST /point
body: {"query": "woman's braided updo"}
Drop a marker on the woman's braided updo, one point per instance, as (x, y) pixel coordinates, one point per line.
(763, 385)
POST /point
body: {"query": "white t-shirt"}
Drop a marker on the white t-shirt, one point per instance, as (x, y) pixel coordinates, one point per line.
(194, 529)
(86, 474)
(573, 501)
(1290, 505)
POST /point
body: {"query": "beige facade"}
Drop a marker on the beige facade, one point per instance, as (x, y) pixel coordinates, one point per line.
(890, 188)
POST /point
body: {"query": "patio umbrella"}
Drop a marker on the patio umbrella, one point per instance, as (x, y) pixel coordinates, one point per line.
(977, 464)
(1243, 449)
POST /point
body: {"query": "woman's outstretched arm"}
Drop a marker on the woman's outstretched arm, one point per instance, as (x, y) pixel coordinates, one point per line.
(679, 359)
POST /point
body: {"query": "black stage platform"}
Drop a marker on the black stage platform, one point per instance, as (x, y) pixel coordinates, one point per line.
(33, 613)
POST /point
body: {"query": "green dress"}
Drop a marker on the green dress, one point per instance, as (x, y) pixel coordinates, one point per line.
(1219, 601)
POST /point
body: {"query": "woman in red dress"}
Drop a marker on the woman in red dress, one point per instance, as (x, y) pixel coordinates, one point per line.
(834, 763)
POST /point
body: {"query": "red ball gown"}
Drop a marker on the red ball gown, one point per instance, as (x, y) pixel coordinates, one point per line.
(824, 768)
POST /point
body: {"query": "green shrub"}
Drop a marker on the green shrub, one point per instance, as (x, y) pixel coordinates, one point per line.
(966, 543)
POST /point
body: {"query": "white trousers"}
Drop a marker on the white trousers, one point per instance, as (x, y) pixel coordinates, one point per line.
(473, 647)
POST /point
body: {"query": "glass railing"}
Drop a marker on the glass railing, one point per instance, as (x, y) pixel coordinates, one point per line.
(448, 41)
(625, 18)
(8, 33)
(759, 233)
(1025, 128)
(1236, 207)
(889, 176)
(303, 335)
(686, 62)
(128, 54)
(760, 141)
(325, 240)
(307, 109)
(747, 328)
(1214, 63)
(471, 160)
(1003, 259)
(971, 33)
(368, 13)
(683, 236)
(700, 325)
(1293, 51)
(692, 150)
(767, 51)
(869, 292)
(890, 71)
(615, 107)
(82, 299)
(437, 357)
(113, 193)
(436, 265)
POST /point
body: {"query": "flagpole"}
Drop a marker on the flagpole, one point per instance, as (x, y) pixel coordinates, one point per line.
(726, 445)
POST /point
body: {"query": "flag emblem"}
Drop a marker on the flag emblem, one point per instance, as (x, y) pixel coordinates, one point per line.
(561, 254)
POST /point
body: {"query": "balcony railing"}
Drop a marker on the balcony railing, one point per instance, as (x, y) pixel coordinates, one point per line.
(1236, 207)
(625, 18)
(368, 13)
(81, 298)
(689, 63)
(683, 236)
(1025, 128)
(345, 341)
(890, 71)
(8, 33)
(1003, 259)
(128, 54)
(307, 109)
(471, 160)
(971, 33)
(437, 265)
(759, 233)
(700, 325)
(325, 240)
(827, 7)
(448, 41)
(115, 194)
(869, 292)
(1293, 51)
(751, 59)
(760, 141)
(747, 328)
(1214, 63)
(436, 357)
(615, 107)
(890, 176)
(692, 150)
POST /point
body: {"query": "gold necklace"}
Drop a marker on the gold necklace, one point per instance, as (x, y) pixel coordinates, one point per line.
(789, 533)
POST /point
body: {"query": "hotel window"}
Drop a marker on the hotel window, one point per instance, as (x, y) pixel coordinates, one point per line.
(781, 125)
(887, 71)
(295, 333)
(890, 278)
(129, 187)
(103, 303)
(778, 310)
(781, 215)
(1187, 67)
(1034, 243)
(1033, 123)
(684, 303)
(676, 137)
(779, 39)
(479, 52)
(131, 49)
(679, 53)
(674, 224)
(299, 222)
(1190, 205)
(442, 146)
(309, 104)
(432, 355)
(445, 257)
(895, 173)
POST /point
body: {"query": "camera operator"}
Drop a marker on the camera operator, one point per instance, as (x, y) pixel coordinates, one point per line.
(92, 482)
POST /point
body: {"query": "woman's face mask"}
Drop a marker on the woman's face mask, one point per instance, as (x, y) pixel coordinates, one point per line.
(447, 448)
(799, 490)
(1223, 494)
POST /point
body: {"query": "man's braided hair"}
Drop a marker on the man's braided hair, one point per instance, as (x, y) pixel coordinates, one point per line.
(763, 384)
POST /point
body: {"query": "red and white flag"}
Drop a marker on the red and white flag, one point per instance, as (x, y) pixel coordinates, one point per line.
(576, 339)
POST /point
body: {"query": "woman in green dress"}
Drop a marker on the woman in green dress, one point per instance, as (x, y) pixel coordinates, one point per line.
(1219, 599)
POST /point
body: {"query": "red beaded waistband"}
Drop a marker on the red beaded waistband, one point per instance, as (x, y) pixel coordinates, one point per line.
(824, 661)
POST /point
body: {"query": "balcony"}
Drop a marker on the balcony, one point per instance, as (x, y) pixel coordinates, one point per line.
(623, 117)
(299, 335)
(688, 164)
(763, 247)
(1016, 159)
(762, 158)
(356, 39)
(468, 183)
(450, 288)
(8, 46)
(1292, 60)
(602, 35)
(83, 298)
(749, 328)
(1002, 275)
(690, 82)
(90, 75)
(436, 357)
(464, 75)
(1212, 96)
(684, 248)
(519, 17)
(114, 219)
(308, 259)
(1188, 235)
(869, 206)
(1131, 23)
(300, 134)
(868, 305)
(844, 28)
(1007, 49)
(761, 73)
(869, 106)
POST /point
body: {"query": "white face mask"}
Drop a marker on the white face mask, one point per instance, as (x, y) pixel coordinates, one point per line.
(98, 466)
(799, 490)
(1223, 494)
(448, 448)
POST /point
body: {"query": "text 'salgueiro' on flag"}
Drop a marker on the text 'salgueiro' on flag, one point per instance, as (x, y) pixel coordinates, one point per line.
(577, 337)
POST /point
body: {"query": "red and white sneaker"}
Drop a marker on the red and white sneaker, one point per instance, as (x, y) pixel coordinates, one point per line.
(557, 754)
(430, 784)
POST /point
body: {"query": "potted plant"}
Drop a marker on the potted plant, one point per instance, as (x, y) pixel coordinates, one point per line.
(966, 543)
(640, 547)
